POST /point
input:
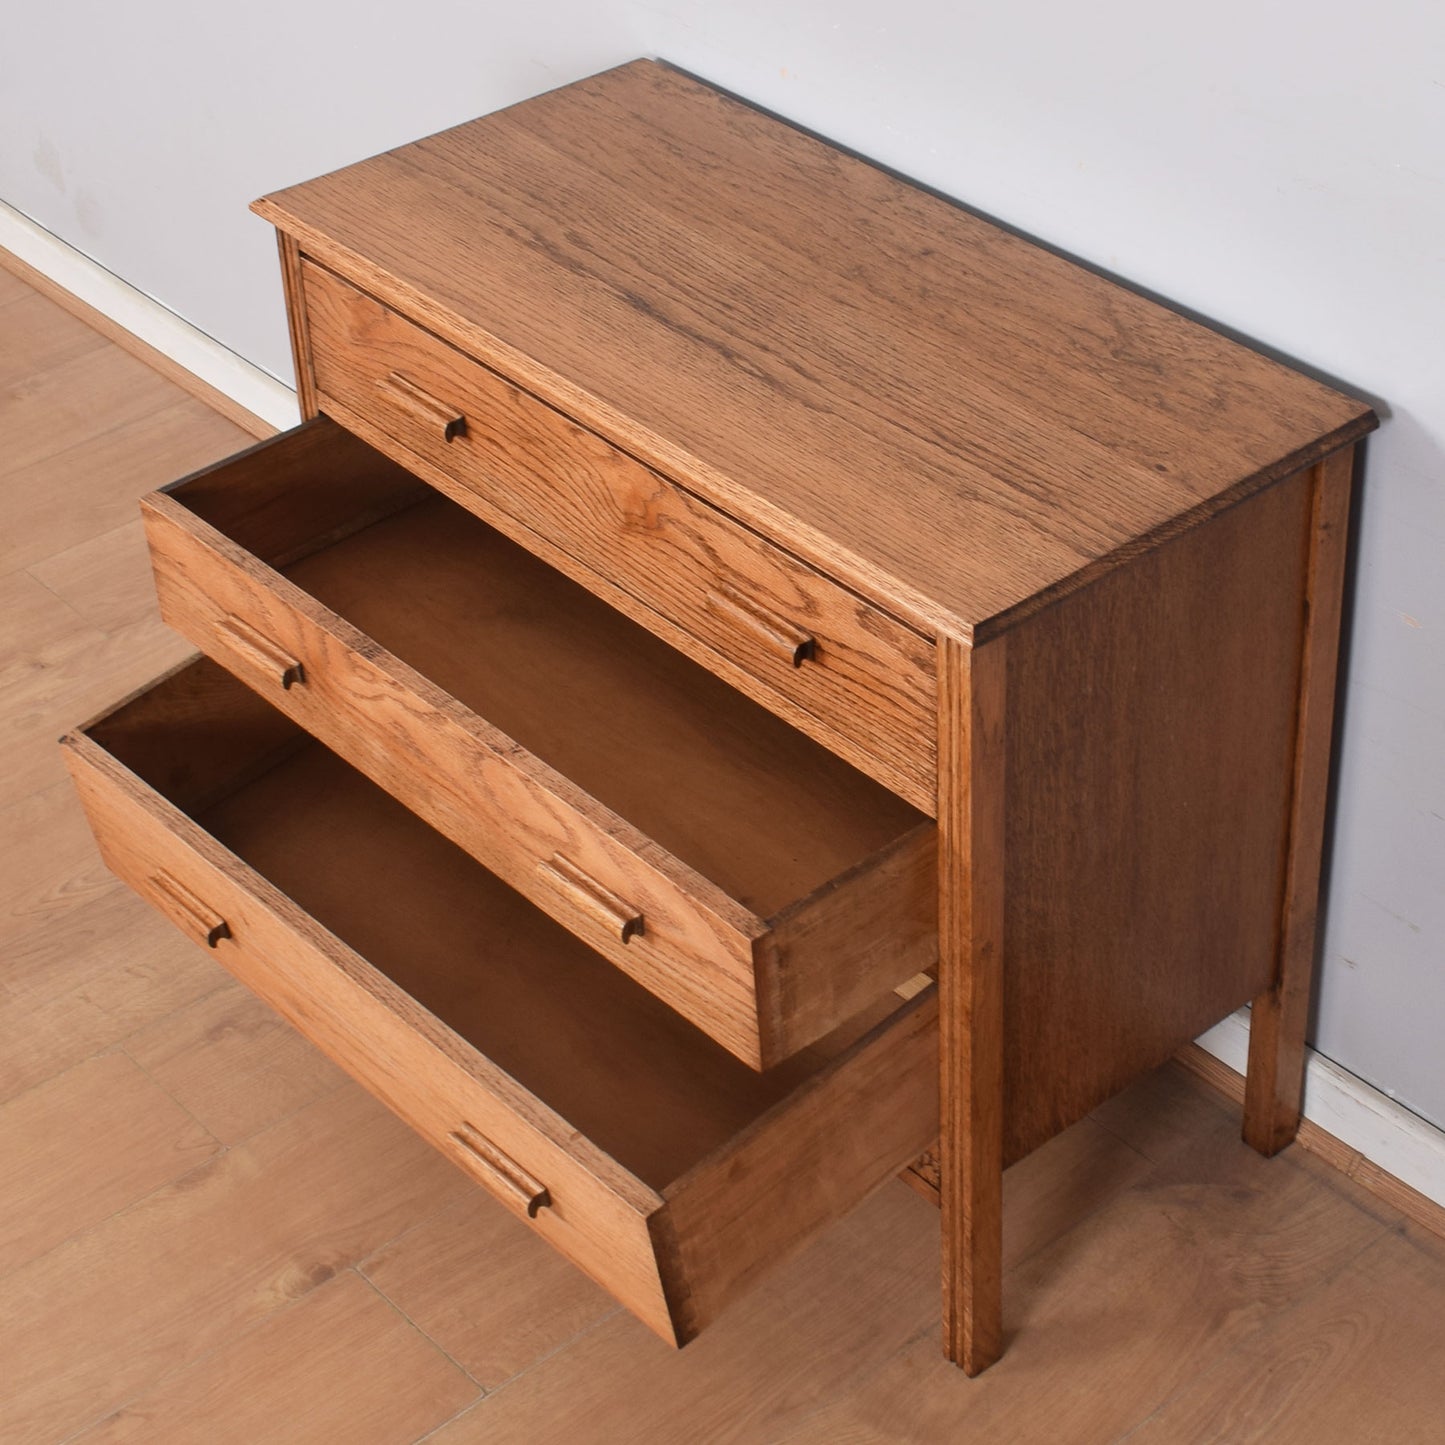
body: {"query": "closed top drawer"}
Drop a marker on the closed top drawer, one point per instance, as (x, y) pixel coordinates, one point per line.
(836, 666)
(758, 884)
(665, 1168)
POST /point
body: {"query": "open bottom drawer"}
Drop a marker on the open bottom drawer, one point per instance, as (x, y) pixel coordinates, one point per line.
(667, 1169)
(760, 885)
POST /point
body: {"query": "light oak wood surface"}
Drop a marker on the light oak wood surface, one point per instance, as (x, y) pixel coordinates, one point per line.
(175, 1315)
(954, 421)
(865, 684)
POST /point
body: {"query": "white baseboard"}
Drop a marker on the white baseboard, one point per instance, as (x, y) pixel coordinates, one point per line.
(1357, 1114)
(144, 317)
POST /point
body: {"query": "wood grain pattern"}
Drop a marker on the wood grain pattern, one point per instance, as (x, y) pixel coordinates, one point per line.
(100, 475)
(1281, 1011)
(848, 1131)
(219, 1250)
(766, 937)
(868, 685)
(1418, 1208)
(827, 353)
(972, 702)
(1360, 1362)
(84, 1145)
(487, 1289)
(1151, 734)
(233, 1064)
(289, 254)
(648, 1133)
(1114, 1317)
(340, 1364)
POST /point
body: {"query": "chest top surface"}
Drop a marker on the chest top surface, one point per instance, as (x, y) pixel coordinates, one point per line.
(942, 413)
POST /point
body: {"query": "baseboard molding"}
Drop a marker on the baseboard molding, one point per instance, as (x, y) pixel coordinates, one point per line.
(250, 397)
(1353, 1126)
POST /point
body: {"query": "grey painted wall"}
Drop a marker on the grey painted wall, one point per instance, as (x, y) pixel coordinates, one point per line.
(1278, 168)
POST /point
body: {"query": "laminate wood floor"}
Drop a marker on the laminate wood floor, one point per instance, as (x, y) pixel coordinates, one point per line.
(208, 1234)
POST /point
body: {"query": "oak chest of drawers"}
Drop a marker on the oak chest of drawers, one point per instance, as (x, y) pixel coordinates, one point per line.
(746, 673)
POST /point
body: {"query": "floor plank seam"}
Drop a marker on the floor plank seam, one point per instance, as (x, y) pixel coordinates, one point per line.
(521, 1374)
(73, 1239)
(170, 1094)
(154, 1385)
(441, 1349)
(90, 438)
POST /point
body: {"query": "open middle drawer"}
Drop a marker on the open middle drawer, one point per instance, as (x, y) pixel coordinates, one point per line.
(666, 1168)
(759, 885)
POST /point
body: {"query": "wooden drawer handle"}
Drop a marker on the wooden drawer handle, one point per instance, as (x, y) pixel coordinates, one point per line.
(262, 653)
(424, 408)
(775, 632)
(601, 903)
(500, 1171)
(193, 917)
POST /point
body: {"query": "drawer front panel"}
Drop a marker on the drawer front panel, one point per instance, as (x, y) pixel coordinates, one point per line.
(836, 666)
(596, 1213)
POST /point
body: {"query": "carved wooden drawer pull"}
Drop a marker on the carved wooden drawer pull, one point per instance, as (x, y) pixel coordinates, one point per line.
(600, 903)
(189, 913)
(776, 633)
(424, 408)
(500, 1171)
(262, 653)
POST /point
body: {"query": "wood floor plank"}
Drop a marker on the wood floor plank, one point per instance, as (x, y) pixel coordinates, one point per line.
(1058, 1186)
(45, 413)
(105, 579)
(36, 335)
(339, 1365)
(51, 862)
(1357, 1361)
(1109, 1322)
(1164, 1112)
(80, 982)
(233, 1063)
(57, 499)
(105, 1316)
(12, 288)
(92, 1141)
(854, 1297)
(41, 697)
(39, 627)
(487, 1289)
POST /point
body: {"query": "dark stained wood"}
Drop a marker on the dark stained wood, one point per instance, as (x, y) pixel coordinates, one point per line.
(941, 414)
(778, 890)
(474, 1016)
(842, 670)
(1152, 726)
(1281, 1012)
(973, 700)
